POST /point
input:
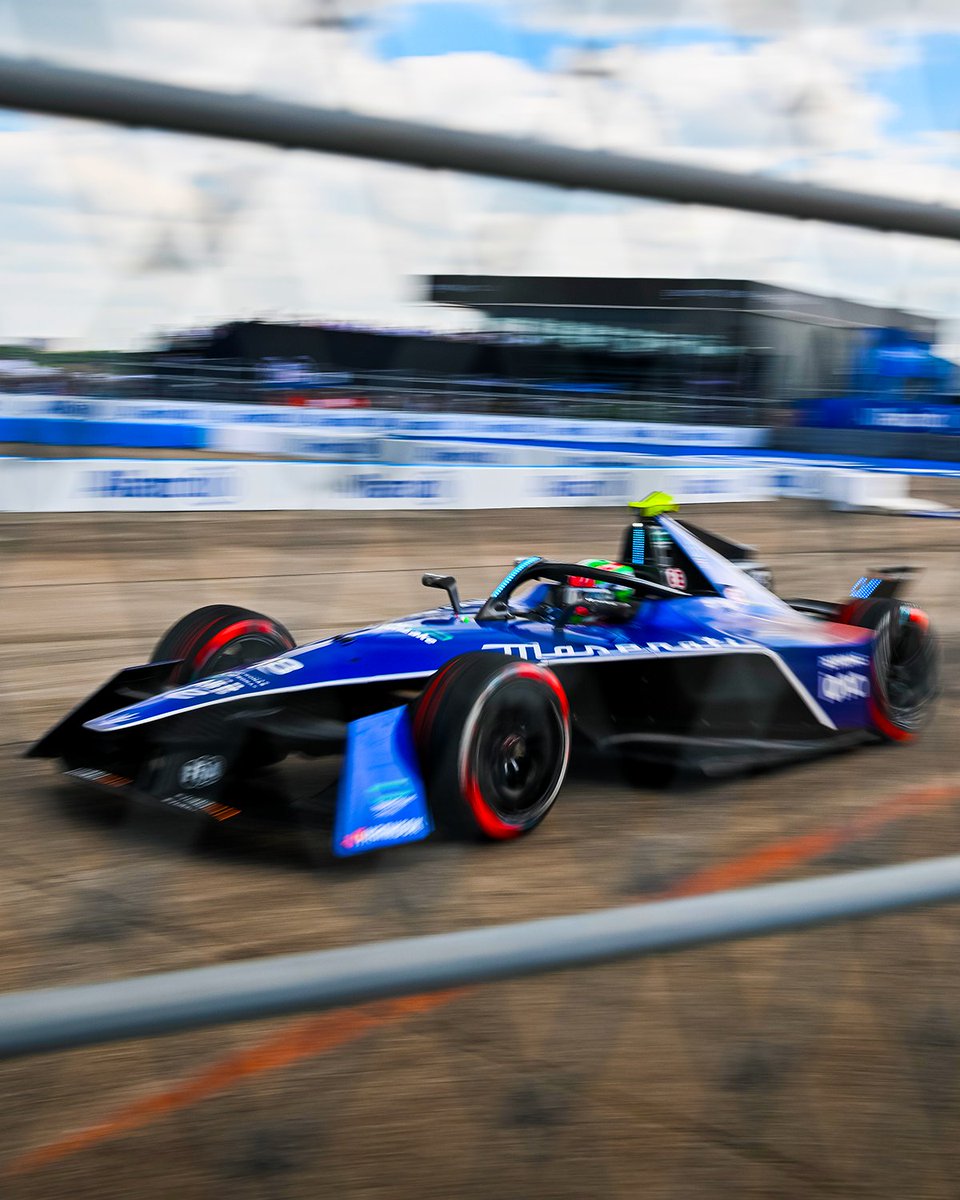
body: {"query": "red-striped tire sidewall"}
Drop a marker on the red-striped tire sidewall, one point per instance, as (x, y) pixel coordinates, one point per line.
(224, 637)
(429, 702)
(202, 634)
(489, 821)
(445, 721)
(864, 614)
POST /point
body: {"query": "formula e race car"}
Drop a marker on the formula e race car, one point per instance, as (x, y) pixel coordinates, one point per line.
(464, 717)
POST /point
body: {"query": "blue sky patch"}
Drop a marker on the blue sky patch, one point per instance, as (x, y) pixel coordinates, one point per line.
(439, 27)
(666, 37)
(924, 95)
(9, 119)
(426, 30)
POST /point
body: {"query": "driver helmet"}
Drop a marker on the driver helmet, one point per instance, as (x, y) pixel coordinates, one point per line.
(602, 564)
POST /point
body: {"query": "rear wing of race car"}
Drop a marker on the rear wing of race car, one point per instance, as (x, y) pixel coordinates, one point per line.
(880, 583)
(883, 583)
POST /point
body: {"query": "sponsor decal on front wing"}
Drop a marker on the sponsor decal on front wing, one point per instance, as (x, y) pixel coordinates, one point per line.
(389, 831)
(106, 778)
(237, 681)
(219, 686)
(183, 800)
(202, 772)
(388, 799)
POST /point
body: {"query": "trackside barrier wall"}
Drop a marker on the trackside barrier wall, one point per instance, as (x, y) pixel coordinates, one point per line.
(840, 486)
(256, 429)
(322, 445)
(133, 485)
(326, 445)
(173, 485)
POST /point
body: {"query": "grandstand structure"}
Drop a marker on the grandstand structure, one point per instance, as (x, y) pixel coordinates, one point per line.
(719, 340)
(731, 337)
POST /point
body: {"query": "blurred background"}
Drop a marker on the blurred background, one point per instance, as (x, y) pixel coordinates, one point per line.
(183, 318)
(207, 270)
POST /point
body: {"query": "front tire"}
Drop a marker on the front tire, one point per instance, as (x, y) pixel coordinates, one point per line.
(220, 637)
(493, 737)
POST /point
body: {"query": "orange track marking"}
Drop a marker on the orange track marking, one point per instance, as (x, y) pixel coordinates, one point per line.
(305, 1039)
(321, 1035)
(776, 858)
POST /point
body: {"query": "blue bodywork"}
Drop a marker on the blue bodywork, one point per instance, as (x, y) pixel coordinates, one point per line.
(381, 797)
(744, 617)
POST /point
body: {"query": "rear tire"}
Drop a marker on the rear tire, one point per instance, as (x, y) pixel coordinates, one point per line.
(906, 666)
(220, 637)
(493, 736)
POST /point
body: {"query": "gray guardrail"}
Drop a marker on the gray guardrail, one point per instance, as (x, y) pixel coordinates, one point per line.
(67, 91)
(62, 1018)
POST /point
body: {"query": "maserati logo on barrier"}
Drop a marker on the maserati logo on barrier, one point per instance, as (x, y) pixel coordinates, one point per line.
(202, 772)
(141, 485)
(612, 486)
(373, 486)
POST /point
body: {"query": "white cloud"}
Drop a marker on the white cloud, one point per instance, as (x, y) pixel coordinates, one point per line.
(598, 18)
(117, 233)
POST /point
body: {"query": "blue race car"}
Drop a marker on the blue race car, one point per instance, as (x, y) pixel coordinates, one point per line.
(465, 716)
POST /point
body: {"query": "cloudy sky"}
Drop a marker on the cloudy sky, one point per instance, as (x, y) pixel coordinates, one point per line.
(108, 236)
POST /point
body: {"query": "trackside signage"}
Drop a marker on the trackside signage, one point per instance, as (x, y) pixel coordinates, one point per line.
(174, 485)
(139, 484)
(103, 485)
(412, 484)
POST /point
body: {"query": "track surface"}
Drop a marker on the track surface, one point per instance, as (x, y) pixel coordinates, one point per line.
(825, 1063)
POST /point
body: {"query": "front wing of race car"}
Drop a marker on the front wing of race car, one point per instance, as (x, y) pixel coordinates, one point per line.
(381, 799)
(202, 764)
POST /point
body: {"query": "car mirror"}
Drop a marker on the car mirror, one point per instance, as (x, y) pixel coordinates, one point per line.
(446, 583)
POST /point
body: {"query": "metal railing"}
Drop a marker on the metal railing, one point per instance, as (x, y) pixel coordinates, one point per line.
(67, 91)
(151, 1005)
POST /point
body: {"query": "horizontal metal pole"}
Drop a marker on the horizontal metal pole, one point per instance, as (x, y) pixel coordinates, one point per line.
(62, 1018)
(69, 92)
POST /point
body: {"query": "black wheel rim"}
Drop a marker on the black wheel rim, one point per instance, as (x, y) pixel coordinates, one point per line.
(519, 751)
(243, 651)
(910, 675)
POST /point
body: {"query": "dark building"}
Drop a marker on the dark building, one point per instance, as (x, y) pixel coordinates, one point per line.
(724, 347)
(724, 336)
(406, 357)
